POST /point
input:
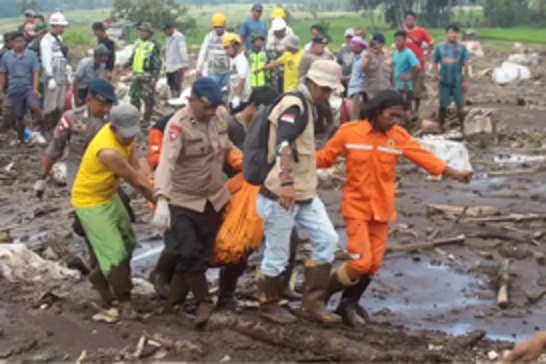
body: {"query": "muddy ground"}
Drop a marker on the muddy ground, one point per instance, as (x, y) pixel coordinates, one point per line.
(420, 302)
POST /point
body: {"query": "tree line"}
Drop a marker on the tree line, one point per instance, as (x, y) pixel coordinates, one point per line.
(438, 13)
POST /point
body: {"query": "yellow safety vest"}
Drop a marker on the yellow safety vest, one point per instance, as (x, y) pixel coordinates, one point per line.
(143, 52)
(257, 61)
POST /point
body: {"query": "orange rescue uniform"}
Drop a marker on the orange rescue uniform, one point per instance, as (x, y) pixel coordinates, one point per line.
(368, 195)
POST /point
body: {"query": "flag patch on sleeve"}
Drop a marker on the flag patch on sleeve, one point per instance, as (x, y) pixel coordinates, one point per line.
(174, 132)
(64, 124)
(289, 118)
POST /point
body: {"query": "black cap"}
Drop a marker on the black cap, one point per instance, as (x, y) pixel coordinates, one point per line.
(168, 25)
(258, 7)
(378, 37)
(98, 26)
(103, 90)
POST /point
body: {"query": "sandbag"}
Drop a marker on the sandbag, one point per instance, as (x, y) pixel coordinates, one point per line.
(453, 153)
(242, 230)
(510, 72)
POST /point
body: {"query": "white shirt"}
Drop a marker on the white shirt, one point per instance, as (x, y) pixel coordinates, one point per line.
(176, 56)
(212, 59)
(239, 70)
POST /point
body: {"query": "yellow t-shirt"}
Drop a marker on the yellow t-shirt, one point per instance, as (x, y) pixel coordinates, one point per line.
(291, 64)
(96, 184)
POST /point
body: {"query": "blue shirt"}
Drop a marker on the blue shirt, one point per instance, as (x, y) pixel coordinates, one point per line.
(403, 64)
(251, 26)
(452, 59)
(356, 84)
(20, 70)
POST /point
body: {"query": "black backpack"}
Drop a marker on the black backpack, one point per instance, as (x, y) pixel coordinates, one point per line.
(256, 167)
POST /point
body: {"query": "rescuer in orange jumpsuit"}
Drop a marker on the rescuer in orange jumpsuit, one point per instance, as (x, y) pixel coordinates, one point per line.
(372, 148)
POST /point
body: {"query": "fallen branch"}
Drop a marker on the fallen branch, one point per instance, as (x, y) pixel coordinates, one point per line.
(508, 218)
(503, 299)
(465, 342)
(427, 245)
(455, 211)
(513, 172)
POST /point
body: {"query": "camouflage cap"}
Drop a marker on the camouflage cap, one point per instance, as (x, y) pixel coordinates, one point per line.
(146, 26)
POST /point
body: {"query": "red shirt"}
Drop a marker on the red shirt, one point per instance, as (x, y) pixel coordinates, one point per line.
(415, 40)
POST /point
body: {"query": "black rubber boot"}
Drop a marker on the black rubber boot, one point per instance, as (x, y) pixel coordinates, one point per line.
(314, 295)
(120, 281)
(286, 277)
(177, 292)
(269, 302)
(349, 309)
(100, 284)
(229, 276)
(161, 276)
(197, 283)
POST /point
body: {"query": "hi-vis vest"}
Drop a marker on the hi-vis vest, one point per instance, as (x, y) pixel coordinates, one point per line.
(257, 60)
(143, 53)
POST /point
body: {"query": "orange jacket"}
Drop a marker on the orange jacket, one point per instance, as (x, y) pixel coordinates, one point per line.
(371, 158)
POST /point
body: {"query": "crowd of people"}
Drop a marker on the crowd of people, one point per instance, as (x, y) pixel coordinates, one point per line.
(262, 140)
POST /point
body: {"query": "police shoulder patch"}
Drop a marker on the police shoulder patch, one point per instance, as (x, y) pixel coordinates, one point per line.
(174, 132)
(64, 124)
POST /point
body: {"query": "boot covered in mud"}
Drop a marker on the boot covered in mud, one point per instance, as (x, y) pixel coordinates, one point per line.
(120, 281)
(100, 284)
(314, 295)
(349, 309)
(269, 302)
(286, 277)
(197, 284)
(178, 291)
(161, 276)
(228, 283)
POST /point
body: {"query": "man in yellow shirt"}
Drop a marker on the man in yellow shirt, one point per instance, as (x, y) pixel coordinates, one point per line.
(290, 60)
(110, 156)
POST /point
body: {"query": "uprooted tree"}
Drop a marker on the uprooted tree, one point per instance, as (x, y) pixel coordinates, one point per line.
(156, 12)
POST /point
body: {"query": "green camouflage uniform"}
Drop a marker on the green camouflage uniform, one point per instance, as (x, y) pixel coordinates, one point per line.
(141, 88)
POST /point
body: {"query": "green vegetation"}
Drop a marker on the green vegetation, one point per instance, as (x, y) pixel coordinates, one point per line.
(79, 32)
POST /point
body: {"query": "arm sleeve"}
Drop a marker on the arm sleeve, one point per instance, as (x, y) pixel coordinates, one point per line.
(437, 58)
(172, 146)
(155, 66)
(465, 54)
(35, 62)
(235, 158)
(282, 59)
(243, 69)
(46, 54)
(111, 63)
(327, 157)
(3, 66)
(60, 140)
(428, 38)
(80, 71)
(183, 50)
(289, 125)
(155, 140)
(423, 158)
(413, 59)
(203, 54)
(242, 31)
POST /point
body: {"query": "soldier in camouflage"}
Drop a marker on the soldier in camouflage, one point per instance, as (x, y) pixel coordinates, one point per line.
(146, 65)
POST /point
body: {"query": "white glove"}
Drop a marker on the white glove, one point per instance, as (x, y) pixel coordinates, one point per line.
(51, 84)
(162, 216)
(236, 102)
(40, 187)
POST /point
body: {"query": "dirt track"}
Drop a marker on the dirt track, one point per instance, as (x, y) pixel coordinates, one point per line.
(437, 293)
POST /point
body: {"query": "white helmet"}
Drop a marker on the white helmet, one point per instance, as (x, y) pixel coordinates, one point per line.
(58, 19)
(278, 24)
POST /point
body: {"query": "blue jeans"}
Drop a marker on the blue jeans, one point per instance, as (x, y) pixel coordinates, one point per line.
(278, 224)
(222, 80)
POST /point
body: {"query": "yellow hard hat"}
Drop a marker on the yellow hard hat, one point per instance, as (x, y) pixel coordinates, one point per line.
(278, 13)
(229, 39)
(218, 20)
